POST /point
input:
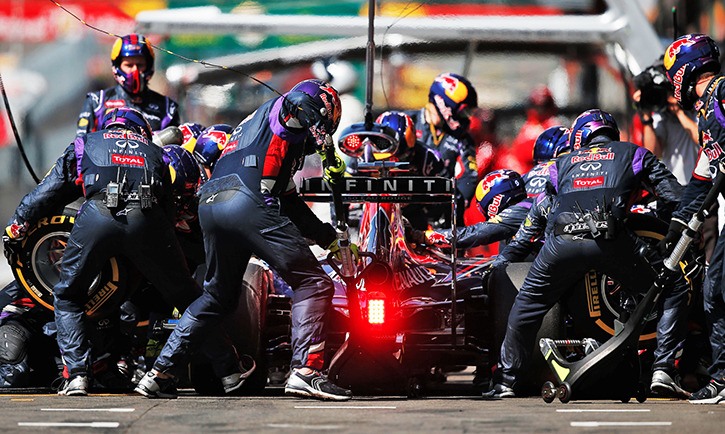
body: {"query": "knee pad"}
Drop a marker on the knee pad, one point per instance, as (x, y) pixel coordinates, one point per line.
(13, 342)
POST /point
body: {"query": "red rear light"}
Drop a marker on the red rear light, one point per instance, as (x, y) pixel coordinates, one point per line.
(376, 311)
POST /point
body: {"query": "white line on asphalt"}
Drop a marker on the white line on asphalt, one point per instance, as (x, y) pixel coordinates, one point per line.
(601, 410)
(310, 427)
(348, 407)
(601, 424)
(72, 424)
(111, 410)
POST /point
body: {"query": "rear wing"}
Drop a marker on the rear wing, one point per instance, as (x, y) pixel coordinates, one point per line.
(411, 189)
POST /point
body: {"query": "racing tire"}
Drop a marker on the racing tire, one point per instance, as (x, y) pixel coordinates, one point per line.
(503, 285)
(246, 329)
(38, 268)
(594, 308)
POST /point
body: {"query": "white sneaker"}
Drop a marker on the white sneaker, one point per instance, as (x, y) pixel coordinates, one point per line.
(315, 385)
(76, 386)
(665, 385)
(152, 386)
(234, 381)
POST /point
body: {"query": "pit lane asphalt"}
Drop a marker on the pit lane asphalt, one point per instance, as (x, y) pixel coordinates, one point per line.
(30, 413)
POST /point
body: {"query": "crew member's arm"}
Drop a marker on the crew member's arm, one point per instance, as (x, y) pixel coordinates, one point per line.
(292, 205)
(172, 117)
(87, 117)
(500, 227)
(57, 189)
(695, 191)
(529, 233)
(657, 176)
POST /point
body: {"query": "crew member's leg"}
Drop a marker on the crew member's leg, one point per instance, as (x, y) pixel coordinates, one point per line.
(89, 247)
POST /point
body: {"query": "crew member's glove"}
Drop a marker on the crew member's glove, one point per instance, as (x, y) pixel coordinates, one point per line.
(497, 263)
(271, 201)
(667, 244)
(334, 248)
(12, 240)
(438, 239)
(334, 170)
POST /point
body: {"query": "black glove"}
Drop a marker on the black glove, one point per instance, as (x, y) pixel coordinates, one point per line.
(667, 244)
(493, 265)
(303, 108)
(12, 247)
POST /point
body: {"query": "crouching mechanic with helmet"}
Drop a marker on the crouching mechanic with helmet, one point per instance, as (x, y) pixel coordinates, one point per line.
(132, 63)
(504, 197)
(692, 65)
(250, 206)
(595, 185)
(125, 181)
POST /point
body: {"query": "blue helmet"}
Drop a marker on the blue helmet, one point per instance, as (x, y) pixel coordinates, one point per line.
(553, 142)
(685, 59)
(453, 97)
(128, 118)
(211, 143)
(589, 124)
(190, 131)
(184, 170)
(498, 190)
(130, 46)
(404, 130)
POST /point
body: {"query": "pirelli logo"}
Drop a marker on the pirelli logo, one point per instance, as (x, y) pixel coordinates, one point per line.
(100, 297)
(591, 281)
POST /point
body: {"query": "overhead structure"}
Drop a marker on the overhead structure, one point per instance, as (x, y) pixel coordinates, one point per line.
(623, 25)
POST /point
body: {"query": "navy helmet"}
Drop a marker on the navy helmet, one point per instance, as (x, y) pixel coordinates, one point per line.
(453, 97)
(685, 59)
(185, 174)
(130, 46)
(498, 190)
(551, 143)
(592, 123)
(128, 118)
(190, 131)
(326, 99)
(210, 144)
(404, 129)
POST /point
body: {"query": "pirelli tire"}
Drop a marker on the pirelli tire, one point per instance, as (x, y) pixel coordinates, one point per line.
(38, 268)
(596, 304)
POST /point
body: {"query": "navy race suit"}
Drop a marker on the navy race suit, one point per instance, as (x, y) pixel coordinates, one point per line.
(529, 234)
(505, 224)
(144, 236)
(501, 227)
(536, 178)
(602, 179)
(711, 126)
(161, 111)
(458, 158)
(250, 206)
